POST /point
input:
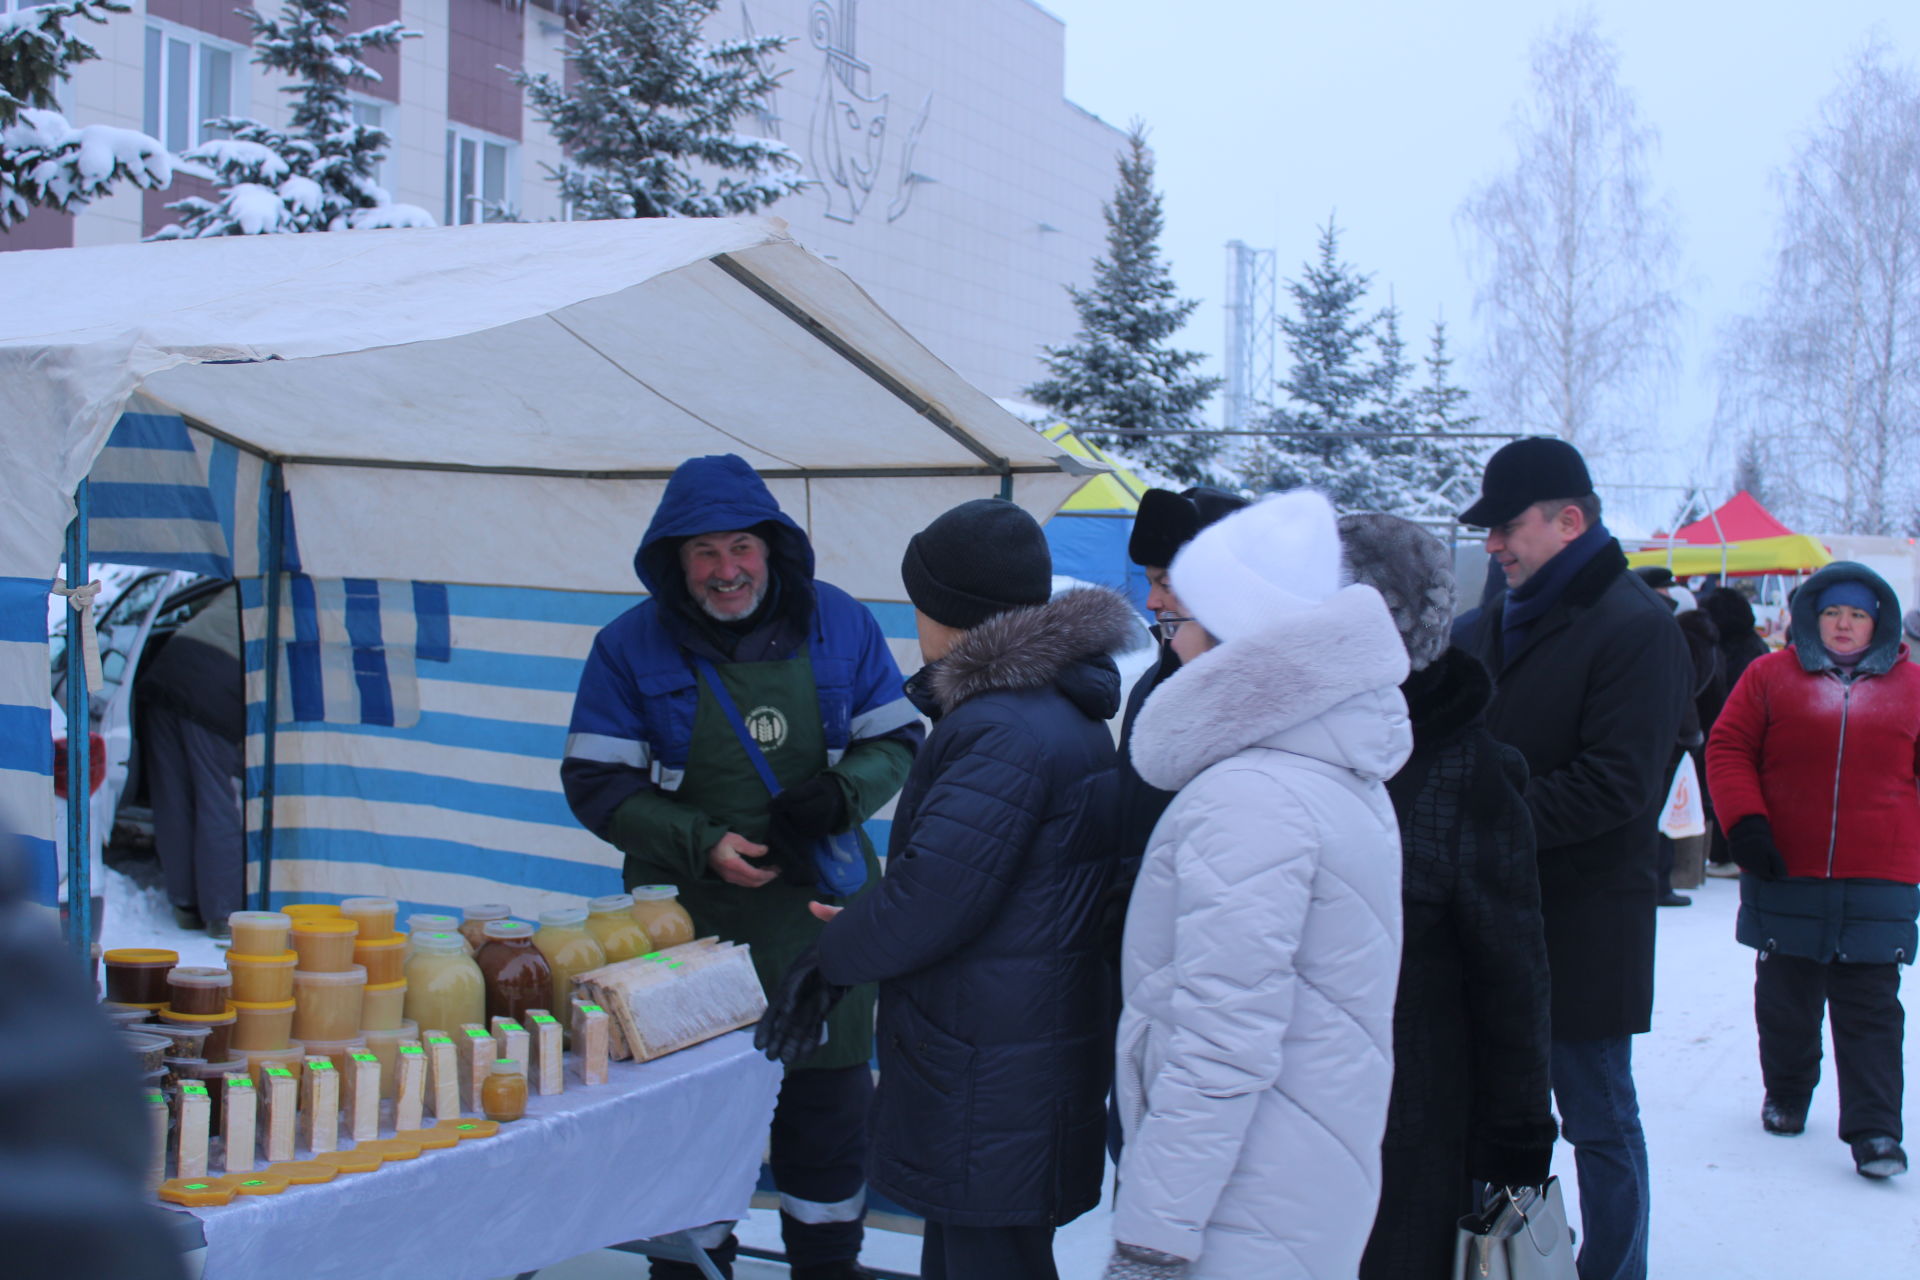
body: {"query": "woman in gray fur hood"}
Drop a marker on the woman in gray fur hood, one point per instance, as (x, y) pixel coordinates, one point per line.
(1255, 1051)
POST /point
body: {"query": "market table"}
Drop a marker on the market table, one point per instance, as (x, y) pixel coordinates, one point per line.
(661, 1147)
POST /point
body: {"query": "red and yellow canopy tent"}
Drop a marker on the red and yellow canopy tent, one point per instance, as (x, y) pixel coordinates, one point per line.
(1740, 538)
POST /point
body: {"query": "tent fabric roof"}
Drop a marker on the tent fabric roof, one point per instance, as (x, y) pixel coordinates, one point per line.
(1795, 553)
(1740, 518)
(1116, 493)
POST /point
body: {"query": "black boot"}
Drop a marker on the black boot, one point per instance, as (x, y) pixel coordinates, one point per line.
(1879, 1157)
(1784, 1116)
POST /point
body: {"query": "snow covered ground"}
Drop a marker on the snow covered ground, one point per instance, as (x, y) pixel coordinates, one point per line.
(1730, 1200)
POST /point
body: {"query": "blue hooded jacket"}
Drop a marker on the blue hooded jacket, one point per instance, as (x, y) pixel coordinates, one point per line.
(633, 716)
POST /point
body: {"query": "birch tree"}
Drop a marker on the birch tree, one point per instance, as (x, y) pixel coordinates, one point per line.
(1574, 259)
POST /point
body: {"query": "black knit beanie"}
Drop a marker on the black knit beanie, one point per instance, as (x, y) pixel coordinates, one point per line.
(979, 559)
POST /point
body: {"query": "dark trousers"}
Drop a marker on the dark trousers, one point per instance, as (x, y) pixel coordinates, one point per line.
(948, 1252)
(193, 779)
(818, 1154)
(1790, 995)
(1600, 1116)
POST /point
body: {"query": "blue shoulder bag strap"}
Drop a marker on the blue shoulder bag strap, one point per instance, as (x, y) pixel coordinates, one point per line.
(836, 860)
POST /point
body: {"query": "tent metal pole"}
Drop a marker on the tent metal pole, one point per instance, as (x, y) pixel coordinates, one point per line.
(79, 746)
(276, 542)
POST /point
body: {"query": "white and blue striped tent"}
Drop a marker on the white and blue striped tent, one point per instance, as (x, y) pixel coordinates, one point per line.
(463, 433)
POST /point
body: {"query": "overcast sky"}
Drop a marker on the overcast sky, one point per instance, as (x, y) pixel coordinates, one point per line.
(1269, 114)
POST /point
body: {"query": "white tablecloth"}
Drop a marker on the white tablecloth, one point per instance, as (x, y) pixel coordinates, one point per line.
(661, 1147)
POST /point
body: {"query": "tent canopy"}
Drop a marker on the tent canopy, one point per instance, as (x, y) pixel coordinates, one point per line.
(1089, 534)
(445, 444)
(1740, 538)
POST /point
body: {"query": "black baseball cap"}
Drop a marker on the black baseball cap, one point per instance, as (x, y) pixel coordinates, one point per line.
(1523, 473)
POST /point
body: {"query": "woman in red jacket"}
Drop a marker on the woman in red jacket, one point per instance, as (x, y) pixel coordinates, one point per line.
(1814, 766)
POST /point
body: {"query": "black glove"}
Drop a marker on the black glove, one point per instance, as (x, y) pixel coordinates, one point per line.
(796, 1018)
(798, 817)
(1751, 841)
(1513, 1155)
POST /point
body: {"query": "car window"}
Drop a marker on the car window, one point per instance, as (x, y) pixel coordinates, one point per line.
(134, 602)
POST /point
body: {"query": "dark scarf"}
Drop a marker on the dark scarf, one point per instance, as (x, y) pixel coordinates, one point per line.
(1531, 600)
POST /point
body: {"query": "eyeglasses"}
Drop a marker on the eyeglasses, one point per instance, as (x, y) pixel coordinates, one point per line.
(1167, 625)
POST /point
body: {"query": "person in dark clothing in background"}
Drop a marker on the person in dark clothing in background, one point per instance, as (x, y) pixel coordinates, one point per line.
(1706, 692)
(1591, 676)
(1471, 1086)
(192, 703)
(995, 1049)
(1732, 615)
(73, 1132)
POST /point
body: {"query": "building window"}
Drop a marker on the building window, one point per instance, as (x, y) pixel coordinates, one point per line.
(373, 115)
(191, 79)
(480, 174)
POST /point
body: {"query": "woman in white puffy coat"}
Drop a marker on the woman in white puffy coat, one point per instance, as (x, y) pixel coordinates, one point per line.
(1255, 1052)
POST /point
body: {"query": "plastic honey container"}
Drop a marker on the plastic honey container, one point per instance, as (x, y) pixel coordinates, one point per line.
(384, 1007)
(312, 911)
(183, 1041)
(374, 916)
(327, 1004)
(610, 921)
(563, 939)
(218, 1046)
(444, 988)
(138, 975)
(263, 1026)
(262, 979)
(384, 959)
(260, 933)
(473, 922)
(325, 946)
(385, 1045)
(657, 908)
(191, 989)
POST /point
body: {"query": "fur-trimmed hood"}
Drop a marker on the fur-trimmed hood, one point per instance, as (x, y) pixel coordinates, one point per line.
(1321, 682)
(1063, 642)
(1882, 651)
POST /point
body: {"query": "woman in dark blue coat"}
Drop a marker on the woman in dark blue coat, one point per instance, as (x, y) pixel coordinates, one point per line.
(994, 1046)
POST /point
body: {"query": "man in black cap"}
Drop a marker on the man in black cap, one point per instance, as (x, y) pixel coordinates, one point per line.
(1591, 674)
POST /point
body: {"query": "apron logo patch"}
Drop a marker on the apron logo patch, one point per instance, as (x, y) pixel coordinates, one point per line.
(768, 725)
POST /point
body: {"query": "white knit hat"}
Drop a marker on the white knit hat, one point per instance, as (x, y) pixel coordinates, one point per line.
(1244, 573)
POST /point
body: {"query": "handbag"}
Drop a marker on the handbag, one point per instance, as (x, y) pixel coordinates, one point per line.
(1516, 1236)
(839, 866)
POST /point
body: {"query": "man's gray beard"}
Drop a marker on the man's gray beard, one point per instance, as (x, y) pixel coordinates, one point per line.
(759, 594)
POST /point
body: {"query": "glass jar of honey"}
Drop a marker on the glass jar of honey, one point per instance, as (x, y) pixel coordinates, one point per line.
(444, 988)
(563, 939)
(657, 908)
(503, 1094)
(610, 921)
(473, 923)
(517, 974)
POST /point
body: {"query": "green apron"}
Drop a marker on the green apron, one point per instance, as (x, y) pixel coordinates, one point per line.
(781, 708)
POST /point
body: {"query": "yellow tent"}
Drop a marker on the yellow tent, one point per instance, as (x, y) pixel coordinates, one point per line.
(1088, 535)
(1794, 553)
(1115, 493)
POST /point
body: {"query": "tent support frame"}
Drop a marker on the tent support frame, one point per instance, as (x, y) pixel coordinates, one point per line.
(276, 542)
(79, 920)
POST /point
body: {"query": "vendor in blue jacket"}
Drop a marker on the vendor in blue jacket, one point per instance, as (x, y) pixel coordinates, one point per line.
(995, 1046)
(657, 765)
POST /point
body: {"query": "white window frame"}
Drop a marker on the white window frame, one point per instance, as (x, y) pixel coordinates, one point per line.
(167, 48)
(463, 202)
(388, 113)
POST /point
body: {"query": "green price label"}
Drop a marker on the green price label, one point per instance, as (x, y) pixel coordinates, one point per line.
(439, 1039)
(254, 1182)
(673, 964)
(157, 1098)
(651, 955)
(591, 1008)
(412, 1051)
(320, 1065)
(279, 1071)
(239, 1084)
(363, 1057)
(542, 1019)
(193, 1087)
(478, 1033)
(463, 1128)
(510, 1026)
(198, 1186)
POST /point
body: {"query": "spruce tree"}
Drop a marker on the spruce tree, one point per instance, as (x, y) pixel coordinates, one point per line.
(1450, 468)
(1118, 373)
(46, 162)
(648, 125)
(316, 174)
